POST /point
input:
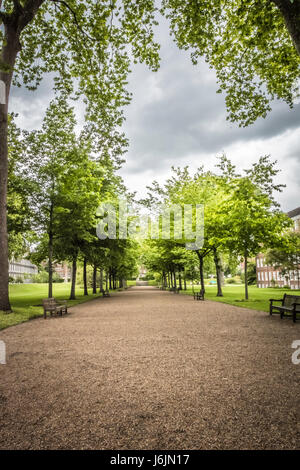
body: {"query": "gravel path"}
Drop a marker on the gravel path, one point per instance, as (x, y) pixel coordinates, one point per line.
(147, 369)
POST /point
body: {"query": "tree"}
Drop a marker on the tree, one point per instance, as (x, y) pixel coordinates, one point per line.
(67, 184)
(18, 192)
(201, 188)
(250, 221)
(241, 215)
(253, 45)
(84, 44)
(286, 256)
(251, 273)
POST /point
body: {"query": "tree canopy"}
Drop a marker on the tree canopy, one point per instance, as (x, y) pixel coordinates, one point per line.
(253, 45)
(241, 216)
(87, 48)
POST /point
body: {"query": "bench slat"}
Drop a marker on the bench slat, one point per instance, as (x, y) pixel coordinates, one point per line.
(290, 303)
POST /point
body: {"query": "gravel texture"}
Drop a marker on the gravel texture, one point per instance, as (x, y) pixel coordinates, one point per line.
(146, 369)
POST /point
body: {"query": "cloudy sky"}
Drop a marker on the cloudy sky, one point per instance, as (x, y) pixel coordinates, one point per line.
(176, 118)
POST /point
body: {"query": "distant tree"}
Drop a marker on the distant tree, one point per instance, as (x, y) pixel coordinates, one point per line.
(250, 221)
(286, 256)
(76, 213)
(241, 215)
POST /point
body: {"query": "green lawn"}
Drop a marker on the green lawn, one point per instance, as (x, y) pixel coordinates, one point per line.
(26, 300)
(235, 295)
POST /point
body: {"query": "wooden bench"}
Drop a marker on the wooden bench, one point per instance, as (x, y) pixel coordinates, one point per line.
(290, 306)
(53, 307)
(105, 293)
(199, 295)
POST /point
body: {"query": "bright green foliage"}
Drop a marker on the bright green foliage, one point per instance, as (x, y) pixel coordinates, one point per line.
(19, 187)
(67, 181)
(241, 216)
(202, 188)
(286, 256)
(66, 186)
(250, 223)
(249, 46)
(87, 47)
(123, 257)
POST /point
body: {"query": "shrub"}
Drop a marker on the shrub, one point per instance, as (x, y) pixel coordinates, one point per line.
(57, 278)
(40, 278)
(231, 280)
(43, 277)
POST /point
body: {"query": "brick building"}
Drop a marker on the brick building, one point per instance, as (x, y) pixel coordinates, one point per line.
(268, 276)
(63, 270)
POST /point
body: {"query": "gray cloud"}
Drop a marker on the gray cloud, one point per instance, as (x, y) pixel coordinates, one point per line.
(177, 118)
(185, 115)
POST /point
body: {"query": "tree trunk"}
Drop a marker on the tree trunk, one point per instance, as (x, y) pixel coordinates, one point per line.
(85, 277)
(8, 57)
(184, 280)
(13, 25)
(180, 281)
(110, 281)
(218, 266)
(101, 280)
(106, 280)
(246, 274)
(291, 14)
(175, 282)
(200, 257)
(73, 283)
(95, 279)
(50, 254)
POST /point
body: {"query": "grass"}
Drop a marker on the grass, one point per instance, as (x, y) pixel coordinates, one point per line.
(26, 300)
(235, 295)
